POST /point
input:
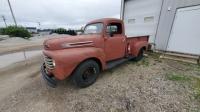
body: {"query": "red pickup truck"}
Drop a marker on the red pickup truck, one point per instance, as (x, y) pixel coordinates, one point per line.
(103, 45)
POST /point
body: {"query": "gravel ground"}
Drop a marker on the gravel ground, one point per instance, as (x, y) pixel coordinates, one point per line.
(134, 86)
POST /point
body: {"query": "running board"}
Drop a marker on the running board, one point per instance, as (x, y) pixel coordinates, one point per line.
(112, 64)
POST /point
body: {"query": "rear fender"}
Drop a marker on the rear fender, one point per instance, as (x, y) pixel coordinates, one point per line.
(135, 49)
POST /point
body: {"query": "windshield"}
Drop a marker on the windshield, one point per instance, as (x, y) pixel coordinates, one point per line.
(93, 28)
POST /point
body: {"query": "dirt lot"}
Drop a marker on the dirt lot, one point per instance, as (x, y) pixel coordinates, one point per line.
(16, 44)
(151, 85)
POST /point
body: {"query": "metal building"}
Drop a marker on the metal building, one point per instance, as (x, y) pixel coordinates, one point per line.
(173, 25)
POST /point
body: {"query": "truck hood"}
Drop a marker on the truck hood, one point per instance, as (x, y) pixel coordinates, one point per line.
(70, 42)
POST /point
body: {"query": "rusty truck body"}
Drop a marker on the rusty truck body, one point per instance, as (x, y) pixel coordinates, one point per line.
(103, 45)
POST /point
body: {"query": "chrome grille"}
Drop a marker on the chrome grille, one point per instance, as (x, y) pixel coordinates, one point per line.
(49, 62)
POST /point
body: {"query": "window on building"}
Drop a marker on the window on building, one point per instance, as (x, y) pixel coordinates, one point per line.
(149, 19)
(131, 21)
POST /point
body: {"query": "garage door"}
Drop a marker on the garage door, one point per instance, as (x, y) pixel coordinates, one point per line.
(185, 35)
(141, 17)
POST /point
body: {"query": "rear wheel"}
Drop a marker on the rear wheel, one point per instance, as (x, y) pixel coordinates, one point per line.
(86, 74)
(140, 55)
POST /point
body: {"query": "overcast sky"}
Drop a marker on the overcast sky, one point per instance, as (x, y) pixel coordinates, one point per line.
(58, 13)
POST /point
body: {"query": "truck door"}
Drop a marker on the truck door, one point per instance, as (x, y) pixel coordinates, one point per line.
(115, 42)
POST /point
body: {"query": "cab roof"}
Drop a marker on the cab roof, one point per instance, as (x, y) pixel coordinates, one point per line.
(106, 20)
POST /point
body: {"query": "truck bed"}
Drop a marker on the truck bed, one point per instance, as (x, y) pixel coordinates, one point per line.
(133, 40)
(136, 44)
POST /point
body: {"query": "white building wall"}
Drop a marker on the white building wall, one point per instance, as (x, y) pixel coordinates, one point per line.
(160, 29)
(167, 18)
(141, 17)
(185, 33)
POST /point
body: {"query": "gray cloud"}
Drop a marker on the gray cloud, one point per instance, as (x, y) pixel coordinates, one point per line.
(59, 13)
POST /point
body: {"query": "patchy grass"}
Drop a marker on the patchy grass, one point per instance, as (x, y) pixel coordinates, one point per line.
(177, 77)
(194, 82)
(143, 62)
(197, 68)
(146, 60)
(191, 66)
(154, 55)
(196, 87)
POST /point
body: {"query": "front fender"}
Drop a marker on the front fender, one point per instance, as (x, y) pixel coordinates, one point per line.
(66, 60)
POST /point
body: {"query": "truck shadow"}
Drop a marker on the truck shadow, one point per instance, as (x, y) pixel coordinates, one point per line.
(67, 86)
(67, 83)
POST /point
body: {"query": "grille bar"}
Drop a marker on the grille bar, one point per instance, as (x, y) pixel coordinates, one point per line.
(49, 63)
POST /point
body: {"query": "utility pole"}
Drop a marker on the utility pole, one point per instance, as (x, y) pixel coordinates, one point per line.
(12, 12)
(39, 25)
(4, 20)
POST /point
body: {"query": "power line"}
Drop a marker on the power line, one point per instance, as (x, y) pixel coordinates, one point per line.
(12, 12)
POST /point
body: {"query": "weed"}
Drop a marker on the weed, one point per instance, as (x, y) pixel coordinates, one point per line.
(194, 82)
(177, 77)
(196, 87)
(143, 62)
(154, 55)
(191, 66)
(197, 68)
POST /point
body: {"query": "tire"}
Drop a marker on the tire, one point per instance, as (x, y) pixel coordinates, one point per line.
(86, 74)
(140, 55)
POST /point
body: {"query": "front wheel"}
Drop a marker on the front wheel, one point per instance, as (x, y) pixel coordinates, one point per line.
(86, 74)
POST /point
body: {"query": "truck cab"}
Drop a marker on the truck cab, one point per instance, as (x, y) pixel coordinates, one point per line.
(103, 45)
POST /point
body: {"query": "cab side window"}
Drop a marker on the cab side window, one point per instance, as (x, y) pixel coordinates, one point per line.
(114, 28)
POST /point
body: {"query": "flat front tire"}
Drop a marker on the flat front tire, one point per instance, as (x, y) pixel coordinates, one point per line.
(86, 74)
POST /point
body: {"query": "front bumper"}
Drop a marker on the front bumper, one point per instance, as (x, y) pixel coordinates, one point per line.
(48, 79)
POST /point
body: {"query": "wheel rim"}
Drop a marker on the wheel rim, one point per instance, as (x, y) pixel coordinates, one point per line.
(89, 73)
